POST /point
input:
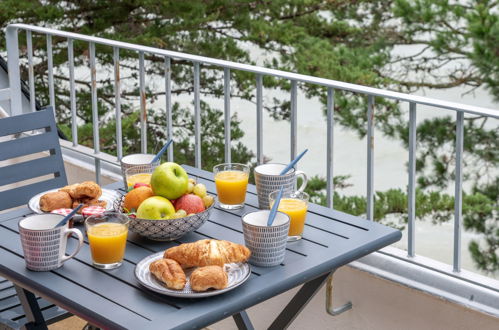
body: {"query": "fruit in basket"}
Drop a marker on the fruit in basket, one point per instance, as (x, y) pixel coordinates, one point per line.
(169, 180)
(190, 203)
(135, 197)
(208, 200)
(141, 184)
(179, 214)
(156, 208)
(190, 187)
(200, 190)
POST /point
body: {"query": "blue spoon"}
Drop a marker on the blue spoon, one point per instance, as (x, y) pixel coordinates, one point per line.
(69, 216)
(161, 152)
(293, 163)
(273, 212)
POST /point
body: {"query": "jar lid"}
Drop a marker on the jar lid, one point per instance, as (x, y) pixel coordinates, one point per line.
(92, 210)
(63, 212)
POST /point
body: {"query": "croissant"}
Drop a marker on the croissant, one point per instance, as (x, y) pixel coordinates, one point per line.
(209, 277)
(207, 252)
(169, 272)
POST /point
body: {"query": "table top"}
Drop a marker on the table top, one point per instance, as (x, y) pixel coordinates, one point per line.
(116, 299)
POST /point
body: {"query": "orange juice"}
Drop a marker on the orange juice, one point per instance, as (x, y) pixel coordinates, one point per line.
(231, 186)
(297, 211)
(138, 178)
(107, 242)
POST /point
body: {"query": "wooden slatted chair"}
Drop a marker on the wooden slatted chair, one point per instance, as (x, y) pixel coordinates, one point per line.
(33, 137)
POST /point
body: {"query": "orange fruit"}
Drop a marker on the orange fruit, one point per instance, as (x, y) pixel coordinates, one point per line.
(135, 197)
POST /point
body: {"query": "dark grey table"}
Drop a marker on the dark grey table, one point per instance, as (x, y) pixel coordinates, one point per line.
(115, 299)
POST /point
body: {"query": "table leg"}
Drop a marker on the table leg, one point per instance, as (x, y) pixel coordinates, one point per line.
(299, 301)
(31, 309)
(242, 321)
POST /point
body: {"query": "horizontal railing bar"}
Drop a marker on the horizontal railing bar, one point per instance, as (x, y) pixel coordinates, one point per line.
(271, 72)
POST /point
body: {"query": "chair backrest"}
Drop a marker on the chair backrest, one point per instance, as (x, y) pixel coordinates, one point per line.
(46, 144)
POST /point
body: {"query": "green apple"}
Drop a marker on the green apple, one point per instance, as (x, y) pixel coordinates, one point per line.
(169, 180)
(156, 208)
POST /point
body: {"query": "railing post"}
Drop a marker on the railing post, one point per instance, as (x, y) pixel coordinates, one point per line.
(294, 124)
(31, 73)
(72, 92)
(12, 40)
(117, 102)
(168, 105)
(143, 110)
(259, 119)
(458, 195)
(330, 147)
(197, 116)
(370, 158)
(95, 110)
(411, 192)
(227, 115)
(50, 66)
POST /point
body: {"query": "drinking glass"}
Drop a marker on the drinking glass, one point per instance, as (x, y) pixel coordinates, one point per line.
(231, 180)
(137, 160)
(138, 174)
(107, 235)
(294, 204)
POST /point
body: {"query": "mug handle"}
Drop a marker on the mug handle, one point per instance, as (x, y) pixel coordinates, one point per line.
(305, 180)
(80, 242)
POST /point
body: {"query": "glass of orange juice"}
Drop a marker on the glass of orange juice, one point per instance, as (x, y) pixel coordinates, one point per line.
(107, 235)
(138, 174)
(231, 180)
(294, 204)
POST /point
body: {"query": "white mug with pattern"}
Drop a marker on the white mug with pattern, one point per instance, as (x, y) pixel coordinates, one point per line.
(44, 245)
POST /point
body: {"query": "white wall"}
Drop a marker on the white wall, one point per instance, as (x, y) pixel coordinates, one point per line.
(377, 304)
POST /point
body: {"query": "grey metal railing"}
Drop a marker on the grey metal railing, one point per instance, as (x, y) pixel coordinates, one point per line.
(14, 94)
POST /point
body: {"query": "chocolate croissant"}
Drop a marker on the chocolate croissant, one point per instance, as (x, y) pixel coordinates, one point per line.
(209, 277)
(207, 252)
(169, 272)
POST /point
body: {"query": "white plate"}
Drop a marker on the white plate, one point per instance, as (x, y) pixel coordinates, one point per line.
(107, 195)
(237, 273)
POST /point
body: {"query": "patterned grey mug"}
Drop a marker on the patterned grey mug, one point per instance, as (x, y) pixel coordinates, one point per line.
(45, 246)
(267, 180)
(266, 243)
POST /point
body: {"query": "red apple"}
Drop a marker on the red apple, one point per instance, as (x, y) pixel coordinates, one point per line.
(190, 203)
(140, 184)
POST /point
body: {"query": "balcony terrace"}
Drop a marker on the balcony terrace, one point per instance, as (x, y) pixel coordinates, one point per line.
(389, 289)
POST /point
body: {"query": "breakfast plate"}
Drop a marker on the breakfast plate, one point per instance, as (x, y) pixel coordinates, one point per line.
(107, 195)
(237, 273)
